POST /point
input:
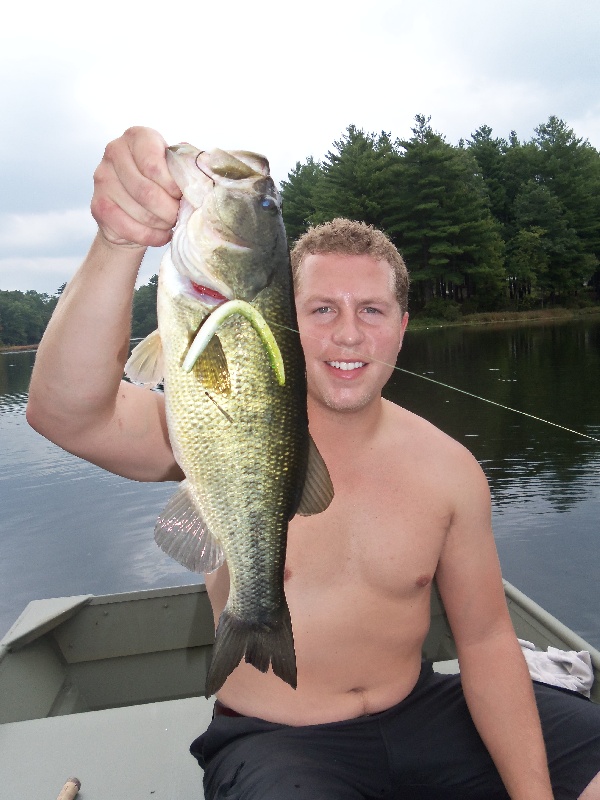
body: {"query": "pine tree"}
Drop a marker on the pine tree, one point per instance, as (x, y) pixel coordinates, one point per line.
(298, 197)
(527, 264)
(565, 266)
(520, 166)
(356, 179)
(570, 168)
(441, 221)
(490, 155)
(144, 319)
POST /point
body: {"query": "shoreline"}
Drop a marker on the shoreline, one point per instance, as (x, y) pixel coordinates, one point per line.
(16, 348)
(557, 314)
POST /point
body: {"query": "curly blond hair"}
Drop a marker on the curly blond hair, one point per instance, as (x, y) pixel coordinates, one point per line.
(352, 238)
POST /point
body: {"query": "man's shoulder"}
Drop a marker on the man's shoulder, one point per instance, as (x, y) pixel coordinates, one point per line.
(404, 421)
(422, 436)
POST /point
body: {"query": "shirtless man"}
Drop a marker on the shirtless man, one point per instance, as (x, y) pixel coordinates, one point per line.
(367, 719)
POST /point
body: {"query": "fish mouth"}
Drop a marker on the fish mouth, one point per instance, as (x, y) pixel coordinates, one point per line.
(203, 289)
(346, 366)
(208, 295)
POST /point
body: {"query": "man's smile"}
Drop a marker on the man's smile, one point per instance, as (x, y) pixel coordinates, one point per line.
(346, 365)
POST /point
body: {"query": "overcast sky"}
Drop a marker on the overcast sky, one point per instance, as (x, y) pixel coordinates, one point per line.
(282, 79)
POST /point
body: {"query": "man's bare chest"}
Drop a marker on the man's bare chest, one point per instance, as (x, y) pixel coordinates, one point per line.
(380, 532)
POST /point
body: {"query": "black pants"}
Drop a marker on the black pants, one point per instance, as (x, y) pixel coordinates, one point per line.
(425, 747)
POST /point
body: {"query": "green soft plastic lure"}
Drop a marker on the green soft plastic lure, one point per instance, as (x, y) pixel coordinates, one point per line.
(218, 317)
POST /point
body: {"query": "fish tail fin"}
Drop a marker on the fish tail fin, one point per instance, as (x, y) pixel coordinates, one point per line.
(262, 646)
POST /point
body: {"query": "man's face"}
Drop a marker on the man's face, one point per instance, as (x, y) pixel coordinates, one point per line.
(351, 328)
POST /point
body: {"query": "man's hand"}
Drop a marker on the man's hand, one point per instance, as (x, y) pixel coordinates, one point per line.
(135, 200)
(76, 396)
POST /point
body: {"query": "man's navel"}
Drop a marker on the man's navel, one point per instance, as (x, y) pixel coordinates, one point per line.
(361, 694)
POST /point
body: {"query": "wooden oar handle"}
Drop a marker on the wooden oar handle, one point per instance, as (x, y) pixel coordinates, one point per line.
(70, 789)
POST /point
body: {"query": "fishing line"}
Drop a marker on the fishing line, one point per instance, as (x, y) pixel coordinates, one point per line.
(456, 389)
(494, 403)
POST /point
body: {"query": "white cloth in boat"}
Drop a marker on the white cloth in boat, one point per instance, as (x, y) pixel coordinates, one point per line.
(568, 669)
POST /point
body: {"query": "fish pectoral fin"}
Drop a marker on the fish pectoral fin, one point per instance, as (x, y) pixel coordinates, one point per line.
(211, 368)
(145, 364)
(182, 534)
(317, 493)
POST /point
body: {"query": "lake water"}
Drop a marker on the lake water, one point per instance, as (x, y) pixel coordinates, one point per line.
(67, 527)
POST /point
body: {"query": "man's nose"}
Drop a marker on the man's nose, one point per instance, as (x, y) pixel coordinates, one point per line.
(347, 331)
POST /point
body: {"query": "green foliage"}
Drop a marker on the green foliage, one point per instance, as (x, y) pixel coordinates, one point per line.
(357, 178)
(24, 316)
(550, 215)
(527, 262)
(440, 219)
(298, 194)
(439, 309)
(570, 170)
(490, 156)
(143, 320)
(488, 224)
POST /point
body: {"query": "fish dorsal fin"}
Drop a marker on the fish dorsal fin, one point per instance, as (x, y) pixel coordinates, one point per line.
(145, 364)
(182, 534)
(211, 367)
(317, 493)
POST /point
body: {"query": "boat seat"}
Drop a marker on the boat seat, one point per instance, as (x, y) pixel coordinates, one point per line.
(133, 753)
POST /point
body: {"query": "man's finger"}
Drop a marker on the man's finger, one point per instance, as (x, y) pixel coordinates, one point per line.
(148, 151)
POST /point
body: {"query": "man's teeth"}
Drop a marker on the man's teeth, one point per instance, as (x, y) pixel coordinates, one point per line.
(346, 364)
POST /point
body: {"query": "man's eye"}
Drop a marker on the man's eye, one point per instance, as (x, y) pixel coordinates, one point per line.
(371, 310)
(322, 310)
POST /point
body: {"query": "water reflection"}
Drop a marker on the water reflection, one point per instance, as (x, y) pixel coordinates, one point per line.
(15, 372)
(551, 372)
(68, 527)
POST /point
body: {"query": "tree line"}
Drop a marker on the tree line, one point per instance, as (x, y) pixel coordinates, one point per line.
(486, 225)
(24, 315)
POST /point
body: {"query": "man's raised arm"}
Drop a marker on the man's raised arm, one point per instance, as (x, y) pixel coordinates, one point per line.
(77, 398)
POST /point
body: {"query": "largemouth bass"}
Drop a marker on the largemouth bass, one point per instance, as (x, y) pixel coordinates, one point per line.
(228, 352)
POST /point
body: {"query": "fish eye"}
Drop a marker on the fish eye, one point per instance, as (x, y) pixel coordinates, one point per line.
(268, 204)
